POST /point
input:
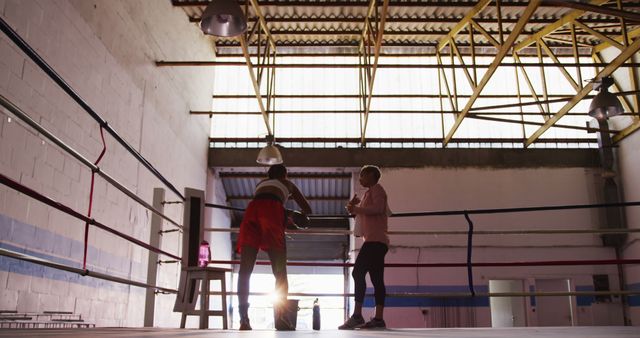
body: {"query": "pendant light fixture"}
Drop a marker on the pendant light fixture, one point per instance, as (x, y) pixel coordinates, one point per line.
(604, 104)
(270, 154)
(223, 18)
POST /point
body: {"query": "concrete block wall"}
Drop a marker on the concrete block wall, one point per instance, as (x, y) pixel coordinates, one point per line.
(106, 51)
(439, 189)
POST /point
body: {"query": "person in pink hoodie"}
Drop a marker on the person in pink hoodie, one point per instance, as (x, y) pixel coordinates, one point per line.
(371, 214)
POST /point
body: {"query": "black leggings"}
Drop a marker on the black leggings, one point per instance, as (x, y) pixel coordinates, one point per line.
(371, 260)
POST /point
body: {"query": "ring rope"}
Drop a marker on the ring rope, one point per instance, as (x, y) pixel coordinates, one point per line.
(46, 200)
(340, 232)
(38, 60)
(83, 272)
(28, 258)
(449, 294)
(94, 169)
(451, 265)
(470, 212)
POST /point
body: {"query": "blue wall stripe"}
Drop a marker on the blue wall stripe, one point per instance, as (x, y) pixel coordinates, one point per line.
(532, 299)
(14, 265)
(33, 241)
(585, 300)
(633, 300)
(369, 300)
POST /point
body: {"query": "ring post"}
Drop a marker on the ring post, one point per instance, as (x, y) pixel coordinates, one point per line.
(152, 262)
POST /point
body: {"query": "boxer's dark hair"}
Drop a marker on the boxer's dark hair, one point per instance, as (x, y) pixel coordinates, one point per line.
(277, 171)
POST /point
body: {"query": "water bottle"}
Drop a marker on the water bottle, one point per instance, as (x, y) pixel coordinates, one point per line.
(204, 254)
(316, 315)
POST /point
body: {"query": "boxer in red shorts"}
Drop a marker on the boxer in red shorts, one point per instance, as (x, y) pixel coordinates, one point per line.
(262, 228)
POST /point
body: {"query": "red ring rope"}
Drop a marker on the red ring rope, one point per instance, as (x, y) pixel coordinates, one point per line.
(86, 224)
(454, 265)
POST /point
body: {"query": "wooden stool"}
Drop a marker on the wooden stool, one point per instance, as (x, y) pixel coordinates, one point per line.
(188, 291)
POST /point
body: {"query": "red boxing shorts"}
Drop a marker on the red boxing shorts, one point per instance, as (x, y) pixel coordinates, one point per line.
(262, 226)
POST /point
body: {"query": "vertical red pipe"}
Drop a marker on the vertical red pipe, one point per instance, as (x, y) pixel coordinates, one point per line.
(86, 225)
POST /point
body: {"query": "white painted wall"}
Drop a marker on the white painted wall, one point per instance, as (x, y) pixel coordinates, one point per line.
(106, 51)
(629, 162)
(438, 189)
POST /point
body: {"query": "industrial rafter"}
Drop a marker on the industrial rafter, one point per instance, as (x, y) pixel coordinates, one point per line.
(371, 74)
(563, 70)
(632, 34)
(256, 85)
(608, 70)
(572, 18)
(596, 9)
(570, 31)
(463, 23)
(263, 23)
(256, 81)
(502, 52)
(566, 19)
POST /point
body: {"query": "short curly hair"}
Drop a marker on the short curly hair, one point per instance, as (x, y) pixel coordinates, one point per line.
(374, 170)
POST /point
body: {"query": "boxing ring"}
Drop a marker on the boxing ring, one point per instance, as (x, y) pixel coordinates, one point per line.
(180, 229)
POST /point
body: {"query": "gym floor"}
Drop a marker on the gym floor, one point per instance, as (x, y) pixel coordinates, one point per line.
(528, 332)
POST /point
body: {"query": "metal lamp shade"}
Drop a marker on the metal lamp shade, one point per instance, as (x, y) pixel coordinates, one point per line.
(223, 18)
(605, 105)
(269, 155)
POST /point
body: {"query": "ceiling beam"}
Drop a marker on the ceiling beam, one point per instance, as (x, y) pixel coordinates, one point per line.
(415, 158)
(376, 56)
(396, 140)
(608, 70)
(536, 102)
(465, 52)
(256, 81)
(263, 23)
(560, 65)
(462, 23)
(631, 16)
(365, 3)
(530, 123)
(484, 32)
(418, 66)
(419, 112)
(355, 44)
(388, 33)
(601, 36)
(566, 19)
(632, 35)
(417, 20)
(502, 52)
(630, 129)
(355, 96)
(255, 84)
